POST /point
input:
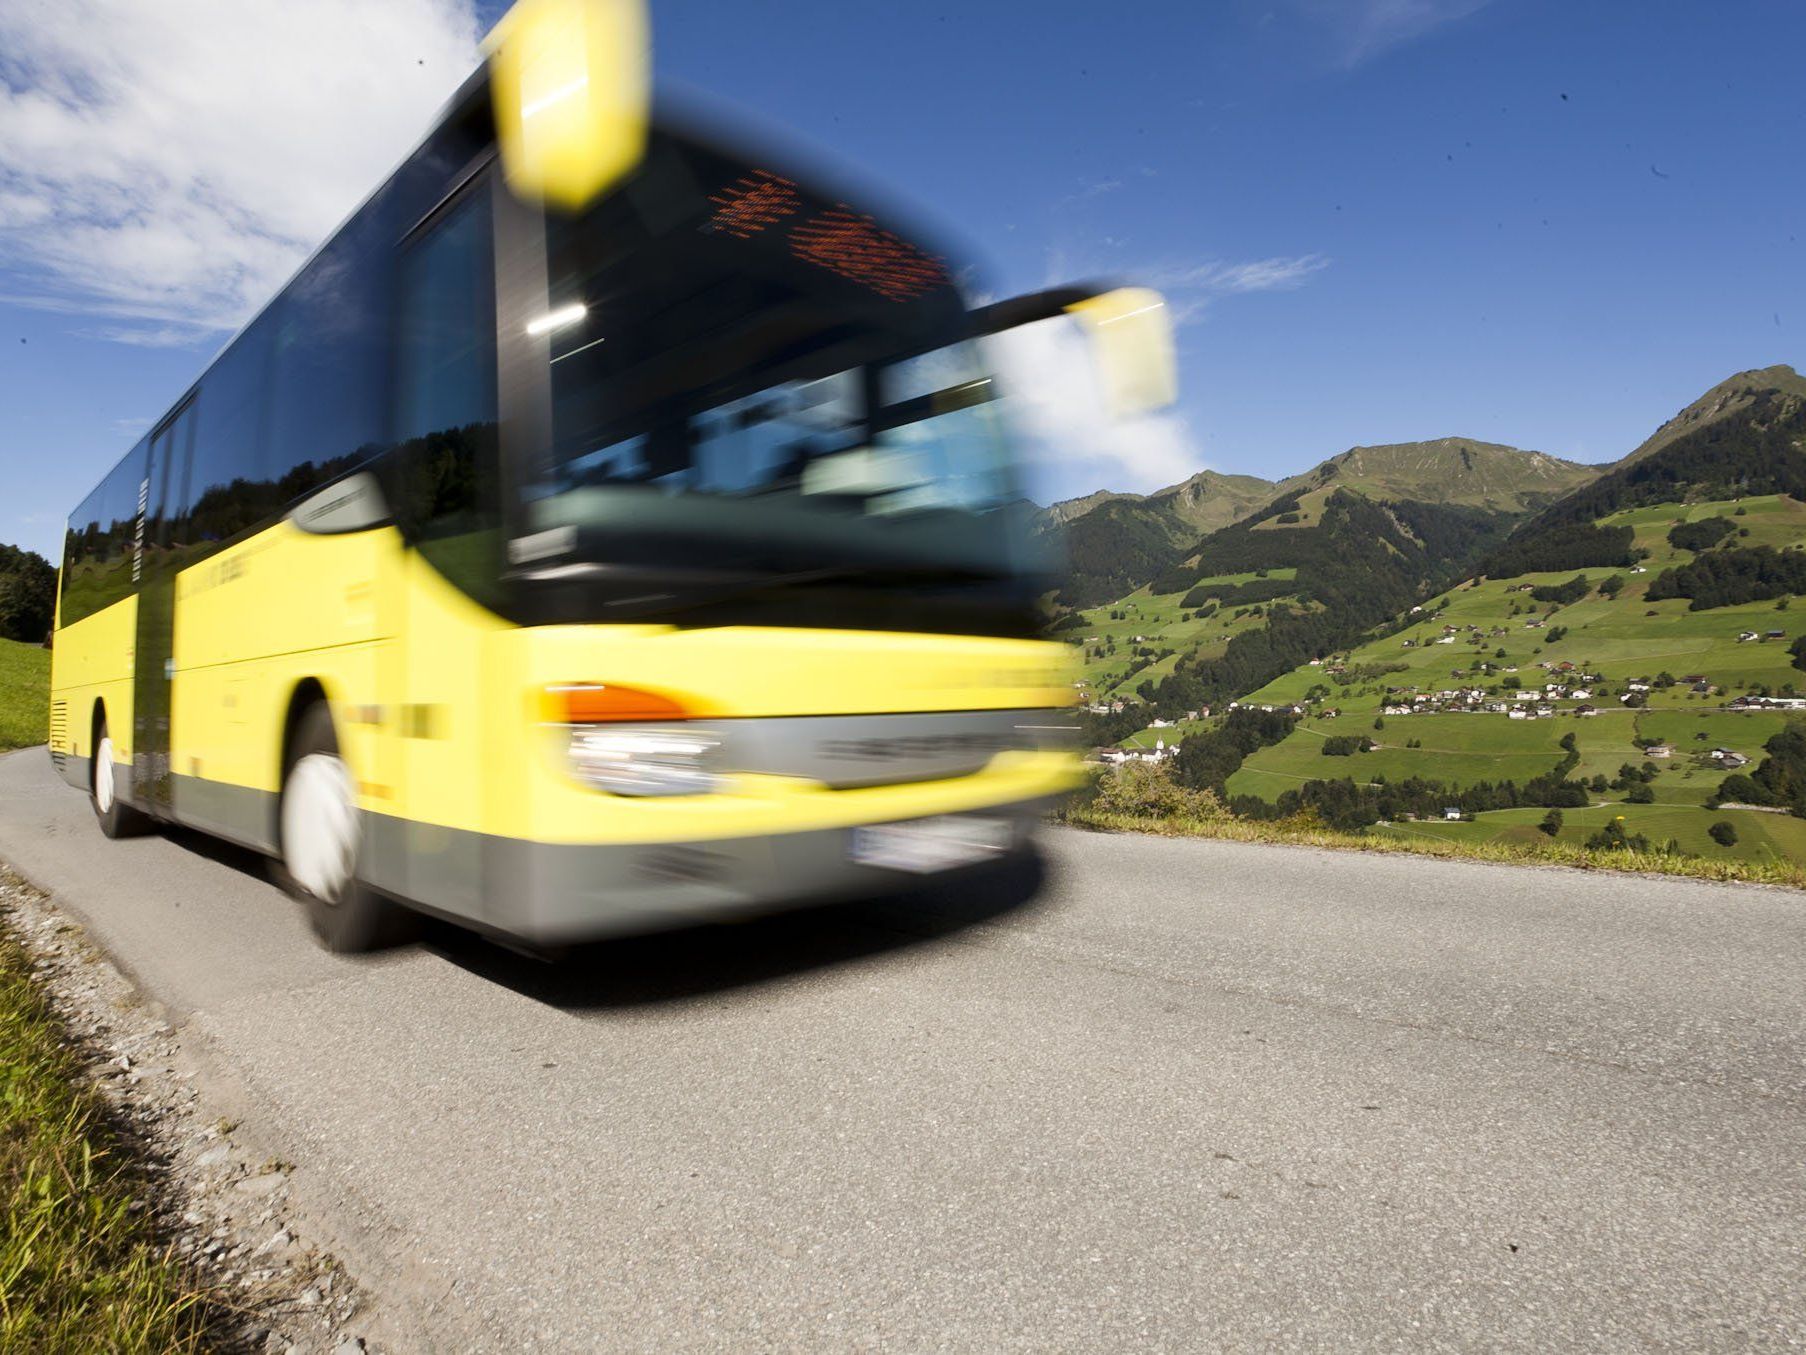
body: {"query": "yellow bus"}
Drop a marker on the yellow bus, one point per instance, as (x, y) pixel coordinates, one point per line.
(571, 567)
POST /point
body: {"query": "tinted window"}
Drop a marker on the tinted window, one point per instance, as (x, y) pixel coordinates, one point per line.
(446, 398)
(171, 447)
(227, 490)
(330, 360)
(98, 551)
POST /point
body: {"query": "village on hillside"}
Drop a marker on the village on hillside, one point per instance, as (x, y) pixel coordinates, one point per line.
(1494, 680)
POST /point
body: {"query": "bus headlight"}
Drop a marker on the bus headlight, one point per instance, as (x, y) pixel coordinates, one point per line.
(625, 760)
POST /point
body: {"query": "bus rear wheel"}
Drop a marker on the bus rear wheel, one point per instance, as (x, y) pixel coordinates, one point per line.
(117, 818)
(321, 837)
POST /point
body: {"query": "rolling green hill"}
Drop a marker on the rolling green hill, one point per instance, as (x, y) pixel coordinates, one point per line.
(1599, 660)
(1131, 644)
(1353, 558)
(1254, 601)
(1494, 639)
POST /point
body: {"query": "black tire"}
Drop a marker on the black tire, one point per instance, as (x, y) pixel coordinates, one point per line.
(118, 819)
(355, 918)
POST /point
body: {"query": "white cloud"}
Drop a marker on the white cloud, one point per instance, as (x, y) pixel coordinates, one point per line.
(1362, 29)
(165, 167)
(1051, 389)
(1053, 403)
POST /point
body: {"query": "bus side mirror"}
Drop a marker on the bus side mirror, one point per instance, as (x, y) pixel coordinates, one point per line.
(571, 84)
(1131, 337)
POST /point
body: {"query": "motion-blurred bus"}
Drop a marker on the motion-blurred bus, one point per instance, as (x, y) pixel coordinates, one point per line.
(570, 563)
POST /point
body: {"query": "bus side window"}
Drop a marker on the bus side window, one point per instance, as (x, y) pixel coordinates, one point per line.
(228, 490)
(328, 407)
(98, 553)
(446, 397)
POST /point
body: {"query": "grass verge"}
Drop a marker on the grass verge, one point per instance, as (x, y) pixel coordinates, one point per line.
(1304, 833)
(24, 694)
(80, 1267)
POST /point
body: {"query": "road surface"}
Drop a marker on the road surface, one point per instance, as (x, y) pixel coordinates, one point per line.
(1192, 1096)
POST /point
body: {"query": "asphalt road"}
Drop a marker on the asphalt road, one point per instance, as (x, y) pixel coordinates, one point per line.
(1190, 1096)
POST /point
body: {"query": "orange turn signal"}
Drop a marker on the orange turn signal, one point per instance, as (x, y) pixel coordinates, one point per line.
(590, 703)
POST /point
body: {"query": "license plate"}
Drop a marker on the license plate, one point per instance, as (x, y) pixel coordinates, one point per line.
(924, 845)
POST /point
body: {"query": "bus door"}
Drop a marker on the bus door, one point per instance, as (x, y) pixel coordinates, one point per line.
(446, 434)
(154, 574)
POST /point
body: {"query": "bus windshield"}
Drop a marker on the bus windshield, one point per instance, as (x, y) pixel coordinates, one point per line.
(748, 380)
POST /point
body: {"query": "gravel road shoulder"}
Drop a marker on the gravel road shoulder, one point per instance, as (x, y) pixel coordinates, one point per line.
(223, 1200)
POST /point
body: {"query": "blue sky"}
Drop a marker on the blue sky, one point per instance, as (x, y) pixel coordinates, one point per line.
(1529, 221)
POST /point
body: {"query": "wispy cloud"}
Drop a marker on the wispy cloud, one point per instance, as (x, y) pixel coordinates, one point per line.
(164, 167)
(1091, 189)
(1190, 289)
(1362, 29)
(1279, 274)
(1095, 188)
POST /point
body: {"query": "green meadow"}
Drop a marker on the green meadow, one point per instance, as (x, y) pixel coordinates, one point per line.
(24, 694)
(1499, 638)
(1161, 622)
(1770, 520)
(1457, 749)
(1761, 836)
(1286, 572)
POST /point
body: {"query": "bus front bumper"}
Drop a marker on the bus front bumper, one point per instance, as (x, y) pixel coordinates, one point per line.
(561, 893)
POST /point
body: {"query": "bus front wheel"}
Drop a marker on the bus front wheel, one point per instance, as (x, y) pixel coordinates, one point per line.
(117, 818)
(321, 834)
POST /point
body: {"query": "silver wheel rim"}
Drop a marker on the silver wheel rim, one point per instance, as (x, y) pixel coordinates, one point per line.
(320, 825)
(103, 775)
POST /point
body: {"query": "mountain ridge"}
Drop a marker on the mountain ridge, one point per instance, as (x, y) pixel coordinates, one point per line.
(1449, 509)
(1385, 464)
(1453, 469)
(1724, 398)
(1117, 541)
(1188, 498)
(1727, 397)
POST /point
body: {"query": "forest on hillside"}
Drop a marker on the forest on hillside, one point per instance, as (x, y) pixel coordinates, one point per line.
(1111, 551)
(1724, 578)
(1360, 566)
(1754, 451)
